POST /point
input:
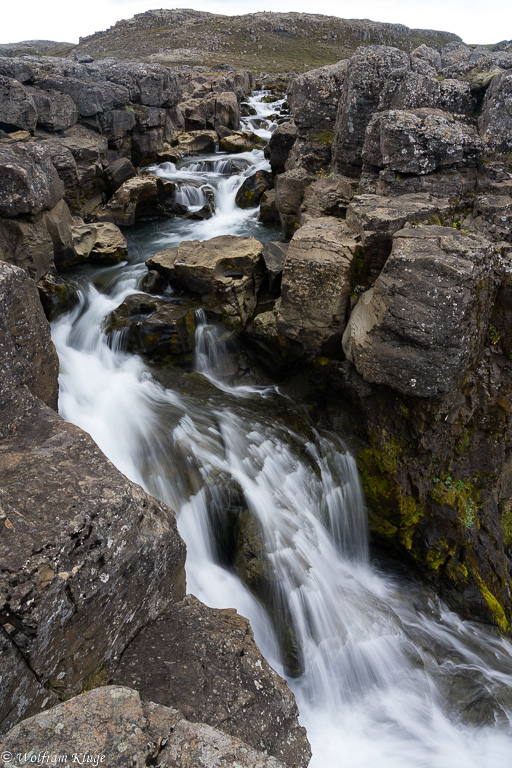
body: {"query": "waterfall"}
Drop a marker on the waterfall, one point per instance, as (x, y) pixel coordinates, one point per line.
(384, 674)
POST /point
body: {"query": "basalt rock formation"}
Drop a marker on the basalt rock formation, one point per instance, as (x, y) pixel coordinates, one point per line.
(414, 150)
(88, 558)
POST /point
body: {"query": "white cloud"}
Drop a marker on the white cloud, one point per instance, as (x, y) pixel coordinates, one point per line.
(473, 20)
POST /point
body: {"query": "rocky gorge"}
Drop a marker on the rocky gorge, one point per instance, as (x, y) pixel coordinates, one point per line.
(374, 288)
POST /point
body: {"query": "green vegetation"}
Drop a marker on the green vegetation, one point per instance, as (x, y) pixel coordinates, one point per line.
(460, 495)
(269, 42)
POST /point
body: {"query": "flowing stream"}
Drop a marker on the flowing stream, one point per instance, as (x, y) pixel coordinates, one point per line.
(383, 673)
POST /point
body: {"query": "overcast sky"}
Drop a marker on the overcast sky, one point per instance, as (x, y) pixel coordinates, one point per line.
(66, 20)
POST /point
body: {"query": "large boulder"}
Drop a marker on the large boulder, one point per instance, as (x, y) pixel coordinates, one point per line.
(495, 122)
(368, 70)
(213, 652)
(218, 109)
(419, 329)
(315, 286)
(95, 243)
(151, 85)
(111, 723)
(420, 142)
(226, 270)
(149, 326)
(253, 189)
(138, 198)
(55, 111)
(30, 183)
(314, 96)
(279, 146)
(17, 108)
(290, 188)
(241, 141)
(375, 219)
(326, 196)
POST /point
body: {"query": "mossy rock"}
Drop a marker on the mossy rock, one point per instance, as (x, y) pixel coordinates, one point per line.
(159, 330)
(253, 189)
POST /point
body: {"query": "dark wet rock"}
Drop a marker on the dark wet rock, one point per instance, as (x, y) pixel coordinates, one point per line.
(213, 651)
(419, 329)
(316, 286)
(118, 172)
(146, 146)
(227, 269)
(17, 108)
(274, 255)
(154, 328)
(253, 188)
(57, 295)
(367, 73)
(279, 146)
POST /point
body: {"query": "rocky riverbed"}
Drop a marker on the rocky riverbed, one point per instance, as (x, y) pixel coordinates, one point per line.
(381, 301)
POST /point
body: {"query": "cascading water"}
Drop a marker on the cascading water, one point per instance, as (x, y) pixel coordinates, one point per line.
(383, 673)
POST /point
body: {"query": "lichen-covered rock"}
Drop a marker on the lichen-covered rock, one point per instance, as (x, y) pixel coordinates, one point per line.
(367, 72)
(214, 651)
(87, 557)
(420, 142)
(419, 329)
(492, 216)
(274, 255)
(138, 198)
(375, 219)
(313, 98)
(227, 269)
(30, 183)
(495, 122)
(290, 188)
(29, 358)
(105, 723)
(17, 108)
(316, 285)
(196, 142)
(112, 724)
(55, 111)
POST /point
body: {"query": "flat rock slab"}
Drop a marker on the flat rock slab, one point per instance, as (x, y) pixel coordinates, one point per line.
(205, 663)
(315, 286)
(420, 327)
(229, 269)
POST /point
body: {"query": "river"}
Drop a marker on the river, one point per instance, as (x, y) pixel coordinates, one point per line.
(388, 676)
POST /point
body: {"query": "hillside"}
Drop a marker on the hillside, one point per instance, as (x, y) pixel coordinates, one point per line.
(274, 42)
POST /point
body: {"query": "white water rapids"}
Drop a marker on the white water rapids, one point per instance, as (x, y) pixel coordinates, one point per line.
(390, 678)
